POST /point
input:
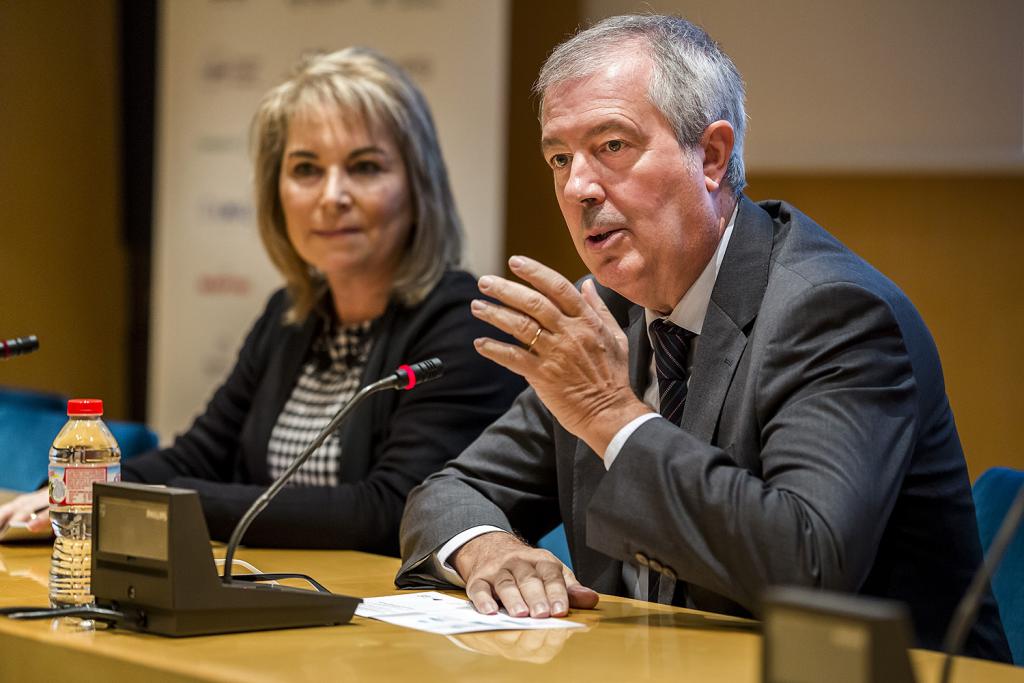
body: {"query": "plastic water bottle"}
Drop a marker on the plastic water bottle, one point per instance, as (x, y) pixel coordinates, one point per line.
(83, 452)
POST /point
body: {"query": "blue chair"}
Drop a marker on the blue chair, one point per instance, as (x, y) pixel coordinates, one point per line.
(28, 422)
(28, 398)
(555, 543)
(994, 491)
(133, 437)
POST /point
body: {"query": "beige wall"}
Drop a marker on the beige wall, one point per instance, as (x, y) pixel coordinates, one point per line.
(954, 245)
(62, 269)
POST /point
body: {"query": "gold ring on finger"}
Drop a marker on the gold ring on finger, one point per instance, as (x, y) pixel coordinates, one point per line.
(529, 347)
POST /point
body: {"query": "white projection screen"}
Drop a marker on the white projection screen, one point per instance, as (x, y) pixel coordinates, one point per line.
(216, 58)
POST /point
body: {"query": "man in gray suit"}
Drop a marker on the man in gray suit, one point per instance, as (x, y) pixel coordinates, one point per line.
(800, 431)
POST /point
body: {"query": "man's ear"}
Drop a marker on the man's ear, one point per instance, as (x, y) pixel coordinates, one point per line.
(717, 142)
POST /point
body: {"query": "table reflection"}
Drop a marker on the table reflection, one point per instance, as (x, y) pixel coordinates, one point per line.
(535, 647)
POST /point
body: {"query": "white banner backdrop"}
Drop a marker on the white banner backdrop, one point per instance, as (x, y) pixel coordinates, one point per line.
(217, 57)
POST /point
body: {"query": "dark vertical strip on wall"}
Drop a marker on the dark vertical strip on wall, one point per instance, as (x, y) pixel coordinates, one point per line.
(138, 20)
(533, 223)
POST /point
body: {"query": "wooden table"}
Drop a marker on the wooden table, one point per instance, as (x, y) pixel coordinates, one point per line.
(626, 640)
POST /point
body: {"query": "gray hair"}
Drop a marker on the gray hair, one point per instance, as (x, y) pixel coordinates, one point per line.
(693, 82)
(358, 82)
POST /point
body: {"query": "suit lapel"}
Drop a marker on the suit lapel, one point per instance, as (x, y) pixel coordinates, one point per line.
(639, 352)
(358, 432)
(284, 367)
(718, 349)
(734, 303)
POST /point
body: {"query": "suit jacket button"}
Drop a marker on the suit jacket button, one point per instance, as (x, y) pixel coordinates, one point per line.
(669, 573)
(656, 566)
(641, 559)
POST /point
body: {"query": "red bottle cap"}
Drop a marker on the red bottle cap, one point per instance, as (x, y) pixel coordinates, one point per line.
(85, 406)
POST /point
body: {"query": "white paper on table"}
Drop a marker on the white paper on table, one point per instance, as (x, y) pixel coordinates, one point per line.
(438, 613)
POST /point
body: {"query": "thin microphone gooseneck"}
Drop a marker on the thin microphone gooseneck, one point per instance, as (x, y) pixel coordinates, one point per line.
(967, 609)
(405, 378)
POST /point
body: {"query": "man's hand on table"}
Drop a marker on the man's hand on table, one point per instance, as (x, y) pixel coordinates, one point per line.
(499, 569)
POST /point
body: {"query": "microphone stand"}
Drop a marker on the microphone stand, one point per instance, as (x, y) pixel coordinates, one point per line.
(405, 378)
(180, 594)
(967, 609)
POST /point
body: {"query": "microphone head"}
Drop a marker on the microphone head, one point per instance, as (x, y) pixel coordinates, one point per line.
(418, 373)
(18, 346)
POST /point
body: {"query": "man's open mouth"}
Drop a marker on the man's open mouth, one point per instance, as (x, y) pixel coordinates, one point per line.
(601, 237)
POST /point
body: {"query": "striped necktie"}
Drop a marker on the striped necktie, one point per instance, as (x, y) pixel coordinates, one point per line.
(671, 350)
(671, 345)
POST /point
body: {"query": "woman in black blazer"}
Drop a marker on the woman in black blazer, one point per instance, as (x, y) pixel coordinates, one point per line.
(356, 212)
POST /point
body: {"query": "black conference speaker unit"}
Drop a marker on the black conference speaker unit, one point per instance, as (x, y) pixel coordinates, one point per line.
(153, 570)
(152, 562)
(813, 636)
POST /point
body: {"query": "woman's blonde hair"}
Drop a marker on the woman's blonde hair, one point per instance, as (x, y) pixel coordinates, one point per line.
(361, 82)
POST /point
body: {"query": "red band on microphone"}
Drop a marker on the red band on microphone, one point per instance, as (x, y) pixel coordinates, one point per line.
(412, 376)
(7, 351)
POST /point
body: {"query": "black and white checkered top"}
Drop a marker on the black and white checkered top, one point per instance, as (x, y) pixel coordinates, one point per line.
(329, 379)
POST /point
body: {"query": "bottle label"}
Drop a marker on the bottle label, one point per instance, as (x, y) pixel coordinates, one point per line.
(73, 485)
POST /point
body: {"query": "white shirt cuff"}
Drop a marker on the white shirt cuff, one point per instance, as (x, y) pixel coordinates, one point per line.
(617, 442)
(444, 552)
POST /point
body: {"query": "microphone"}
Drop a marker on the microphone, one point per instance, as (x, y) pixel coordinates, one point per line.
(19, 346)
(404, 378)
